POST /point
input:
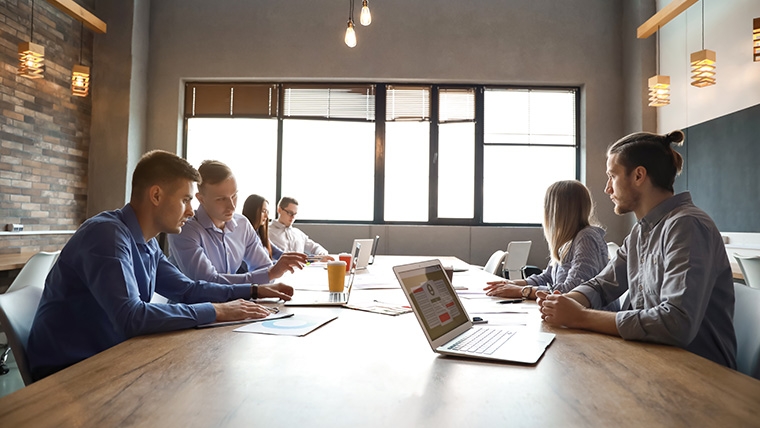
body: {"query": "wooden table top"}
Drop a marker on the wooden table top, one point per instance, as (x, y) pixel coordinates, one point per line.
(366, 369)
(14, 261)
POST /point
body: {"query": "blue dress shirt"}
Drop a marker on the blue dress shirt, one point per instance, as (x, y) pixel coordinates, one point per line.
(97, 294)
(202, 251)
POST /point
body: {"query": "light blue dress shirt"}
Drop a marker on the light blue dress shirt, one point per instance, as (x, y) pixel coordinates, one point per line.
(204, 252)
(97, 294)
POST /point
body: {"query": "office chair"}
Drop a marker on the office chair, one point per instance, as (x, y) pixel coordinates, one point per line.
(750, 266)
(517, 257)
(747, 327)
(35, 271)
(495, 262)
(17, 310)
(33, 274)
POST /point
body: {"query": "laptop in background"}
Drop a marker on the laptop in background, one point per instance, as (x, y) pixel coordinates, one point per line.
(448, 327)
(366, 251)
(328, 298)
(374, 250)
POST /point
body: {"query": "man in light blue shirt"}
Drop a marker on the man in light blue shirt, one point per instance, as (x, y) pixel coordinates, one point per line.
(98, 293)
(216, 241)
(673, 263)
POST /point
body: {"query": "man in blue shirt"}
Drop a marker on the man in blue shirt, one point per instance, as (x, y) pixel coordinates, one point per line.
(216, 240)
(98, 292)
(673, 263)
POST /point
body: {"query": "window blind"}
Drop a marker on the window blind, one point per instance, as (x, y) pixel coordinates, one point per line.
(330, 101)
(410, 103)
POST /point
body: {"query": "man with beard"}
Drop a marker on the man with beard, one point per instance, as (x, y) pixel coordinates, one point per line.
(673, 263)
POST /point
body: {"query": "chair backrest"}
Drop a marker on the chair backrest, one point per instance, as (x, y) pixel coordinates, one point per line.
(517, 257)
(495, 262)
(35, 271)
(747, 327)
(612, 249)
(750, 266)
(17, 309)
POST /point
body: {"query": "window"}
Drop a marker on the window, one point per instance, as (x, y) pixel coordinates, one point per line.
(407, 153)
(529, 143)
(440, 154)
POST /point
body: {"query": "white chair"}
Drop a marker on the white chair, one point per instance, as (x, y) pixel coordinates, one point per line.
(33, 274)
(750, 266)
(495, 262)
(747, 327)
(35, 271)
(517, 257)
(17, 310)
(612, 249)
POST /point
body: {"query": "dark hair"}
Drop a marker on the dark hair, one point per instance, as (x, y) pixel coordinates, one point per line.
(654, 153)
(252, 210)
(213, 172)
(285, 201)
(163, 168)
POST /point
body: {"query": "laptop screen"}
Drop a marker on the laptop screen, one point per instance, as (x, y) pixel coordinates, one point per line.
(433, 297)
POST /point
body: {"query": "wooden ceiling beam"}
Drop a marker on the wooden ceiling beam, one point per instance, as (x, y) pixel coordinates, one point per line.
(74, 10)
(665, 15)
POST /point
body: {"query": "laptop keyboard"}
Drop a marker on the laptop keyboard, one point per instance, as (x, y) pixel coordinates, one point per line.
(482, 340)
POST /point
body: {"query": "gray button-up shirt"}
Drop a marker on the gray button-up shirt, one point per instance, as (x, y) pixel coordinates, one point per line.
(675, 265)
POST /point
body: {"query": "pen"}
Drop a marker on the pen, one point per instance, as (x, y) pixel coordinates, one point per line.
(510, 301)
(273, 310)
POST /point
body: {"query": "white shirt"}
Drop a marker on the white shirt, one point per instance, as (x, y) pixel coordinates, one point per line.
(291, 239)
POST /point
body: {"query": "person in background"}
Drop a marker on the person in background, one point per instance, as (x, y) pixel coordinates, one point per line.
(577, 249)
(673, 263)
(216, 241)
(98, 292)
(288, 238)
(256, 210)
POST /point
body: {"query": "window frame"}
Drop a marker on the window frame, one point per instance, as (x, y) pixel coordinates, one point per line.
(380, 94)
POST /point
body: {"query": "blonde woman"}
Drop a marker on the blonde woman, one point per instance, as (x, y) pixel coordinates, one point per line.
(578, 250)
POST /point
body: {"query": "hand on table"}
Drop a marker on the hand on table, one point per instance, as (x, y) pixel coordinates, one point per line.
(239, 310)
(279, 290)
(503, 288)
(559, 309)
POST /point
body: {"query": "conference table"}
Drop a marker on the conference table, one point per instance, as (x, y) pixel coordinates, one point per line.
(366, 369)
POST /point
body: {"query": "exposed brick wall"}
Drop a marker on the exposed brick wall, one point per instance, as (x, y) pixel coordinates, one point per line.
(44, 130)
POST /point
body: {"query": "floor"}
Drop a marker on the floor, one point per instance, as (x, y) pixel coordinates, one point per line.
(11, 381)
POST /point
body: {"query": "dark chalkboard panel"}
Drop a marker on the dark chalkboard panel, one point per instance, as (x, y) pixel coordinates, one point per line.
(722, 169)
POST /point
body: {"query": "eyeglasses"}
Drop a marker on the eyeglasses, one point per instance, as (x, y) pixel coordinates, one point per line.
(290, 213)
(265, 212)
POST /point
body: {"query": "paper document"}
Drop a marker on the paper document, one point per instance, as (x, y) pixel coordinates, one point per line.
(269, 317)
(299, 325)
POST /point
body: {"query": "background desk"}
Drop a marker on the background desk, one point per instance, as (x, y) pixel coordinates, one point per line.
(366, 369)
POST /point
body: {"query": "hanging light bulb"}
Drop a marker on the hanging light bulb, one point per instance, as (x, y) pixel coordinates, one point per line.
(365, 18)
(703, 62)
(31, 58)
(659, 91)
(703, 68)
(350, 35)
(659, 85)
(80, 80)
(756, 39)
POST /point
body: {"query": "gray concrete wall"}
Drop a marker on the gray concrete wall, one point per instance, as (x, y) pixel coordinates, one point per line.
(542, 42)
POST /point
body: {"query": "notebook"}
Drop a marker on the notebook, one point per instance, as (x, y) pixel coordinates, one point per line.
(449, 329)
(364, 254)
(328, 298)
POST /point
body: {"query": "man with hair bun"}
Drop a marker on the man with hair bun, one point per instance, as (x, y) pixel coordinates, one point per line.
(673, 263)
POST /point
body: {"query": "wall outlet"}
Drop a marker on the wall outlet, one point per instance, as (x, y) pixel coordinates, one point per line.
(12, 227)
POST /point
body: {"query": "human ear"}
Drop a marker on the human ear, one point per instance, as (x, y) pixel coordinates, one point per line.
(155, 193)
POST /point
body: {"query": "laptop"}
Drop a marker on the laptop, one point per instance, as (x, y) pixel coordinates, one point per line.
(364, 254)
(448, 327)
(328, 298)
